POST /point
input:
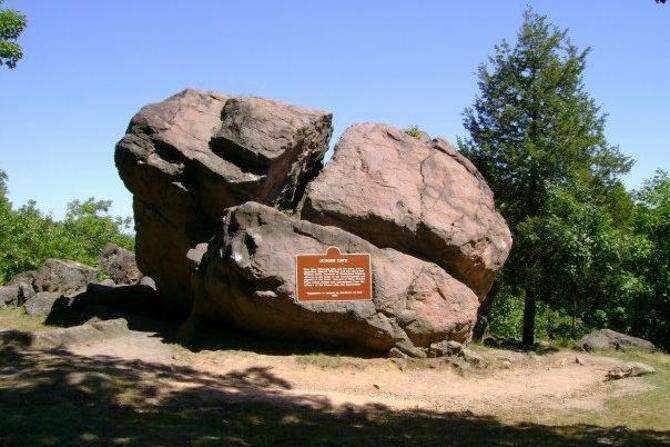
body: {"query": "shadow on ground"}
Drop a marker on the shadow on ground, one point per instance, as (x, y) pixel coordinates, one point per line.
(58, 398)
(141, 307)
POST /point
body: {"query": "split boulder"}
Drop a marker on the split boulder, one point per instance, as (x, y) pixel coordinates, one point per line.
(191, 156)
(416, 195)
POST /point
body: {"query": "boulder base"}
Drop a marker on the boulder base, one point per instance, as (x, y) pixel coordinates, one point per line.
(247, 277)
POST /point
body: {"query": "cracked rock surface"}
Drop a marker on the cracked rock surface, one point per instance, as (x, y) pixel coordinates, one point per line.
(418, 196)
(191, 156)
(228, 190)
(248, 279)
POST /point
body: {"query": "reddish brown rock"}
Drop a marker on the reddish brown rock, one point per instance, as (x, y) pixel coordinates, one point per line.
(247, 277)
(415, 195)
(187, 158)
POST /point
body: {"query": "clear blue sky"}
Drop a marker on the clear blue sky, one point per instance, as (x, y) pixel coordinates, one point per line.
(89, 65)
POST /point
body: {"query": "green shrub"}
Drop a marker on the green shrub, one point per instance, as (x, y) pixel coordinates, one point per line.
(28, 236)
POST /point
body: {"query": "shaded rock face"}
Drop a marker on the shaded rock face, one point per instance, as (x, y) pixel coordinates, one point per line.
(418, 196)
(191, 156)
(607, 339)
(247, 277)
(62, 276)
(119, 264)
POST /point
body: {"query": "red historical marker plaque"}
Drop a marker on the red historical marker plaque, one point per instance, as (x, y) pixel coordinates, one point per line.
(333, 276)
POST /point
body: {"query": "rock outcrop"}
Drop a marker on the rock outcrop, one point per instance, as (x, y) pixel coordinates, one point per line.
(228, 190)
(90, 332)
(187, 158)
(607, 339)
(248, 279)
(415, 195)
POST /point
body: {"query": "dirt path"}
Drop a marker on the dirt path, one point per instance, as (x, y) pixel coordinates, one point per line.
(514, 383)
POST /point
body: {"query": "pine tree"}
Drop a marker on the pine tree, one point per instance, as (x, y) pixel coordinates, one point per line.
(534, 128)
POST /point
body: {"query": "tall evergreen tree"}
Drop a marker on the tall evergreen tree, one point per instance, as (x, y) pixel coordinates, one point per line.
(535, 132)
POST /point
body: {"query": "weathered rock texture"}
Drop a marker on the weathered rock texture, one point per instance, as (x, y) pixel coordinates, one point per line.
(187, 158)
(418, 196)
(57, 275)
(119, 264)
(248, 278)
(607, 339)
(92, 331)
(420, 208)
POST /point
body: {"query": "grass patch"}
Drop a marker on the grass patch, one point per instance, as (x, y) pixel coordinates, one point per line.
(17, 318)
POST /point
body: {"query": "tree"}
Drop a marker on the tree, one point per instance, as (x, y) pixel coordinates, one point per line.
(12, 24)
(648, 311)
(538, 138)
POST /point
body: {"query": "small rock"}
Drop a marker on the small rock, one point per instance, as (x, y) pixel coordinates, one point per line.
(119, 264)
(27, 277)
(607, 339)
(631, 369)
(147, 281)
(41, 303)
(376, 386)
(579, 361)
(506, 364)
(408, 348)
(397, 353)
(9, 296)
(473, 358)
(108, 282)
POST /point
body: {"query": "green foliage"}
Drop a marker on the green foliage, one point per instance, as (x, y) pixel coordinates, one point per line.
(538, 138)
(414, 131)
(12, 24)
(648, 310)
(28, 236)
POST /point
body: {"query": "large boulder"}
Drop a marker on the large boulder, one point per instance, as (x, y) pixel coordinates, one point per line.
(57, 275)
(419, 196)
(247, 277)
(187, 158)
(607, 339)
(120, 264)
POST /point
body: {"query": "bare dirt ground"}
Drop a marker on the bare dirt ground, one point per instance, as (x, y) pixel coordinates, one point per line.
(142, 389)
(514, 385)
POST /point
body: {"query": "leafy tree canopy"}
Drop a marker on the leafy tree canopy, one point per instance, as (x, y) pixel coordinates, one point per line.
(12, 24)
(28, 237)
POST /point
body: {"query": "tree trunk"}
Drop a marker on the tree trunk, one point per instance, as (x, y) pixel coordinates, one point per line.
(484, 313)
(529, 311)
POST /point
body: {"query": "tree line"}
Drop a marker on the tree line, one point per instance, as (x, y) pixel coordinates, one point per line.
(28, 236)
